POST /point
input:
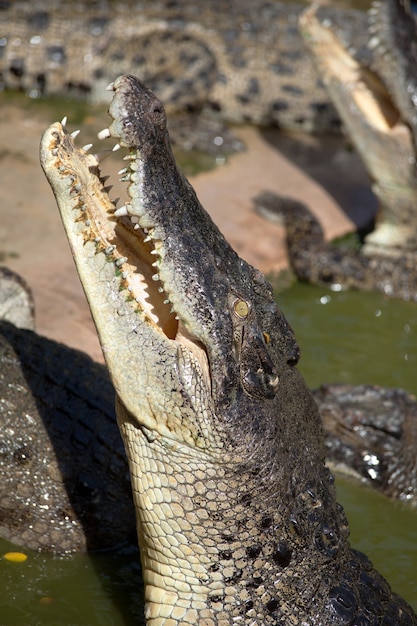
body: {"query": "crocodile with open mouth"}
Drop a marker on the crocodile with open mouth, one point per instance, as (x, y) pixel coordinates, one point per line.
(381, 121)
(236, 512)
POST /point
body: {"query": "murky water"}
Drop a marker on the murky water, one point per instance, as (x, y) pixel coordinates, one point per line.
(356, 338)
(353, 337)
(348, 337)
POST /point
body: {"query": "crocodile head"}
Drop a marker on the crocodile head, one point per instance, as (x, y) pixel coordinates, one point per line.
(172, 280)
(237, 518)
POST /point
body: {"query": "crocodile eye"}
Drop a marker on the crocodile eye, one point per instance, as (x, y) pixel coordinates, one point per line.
(267, 337)
(241, 308)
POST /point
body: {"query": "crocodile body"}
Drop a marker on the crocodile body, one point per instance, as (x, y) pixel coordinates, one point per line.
(243, 59)
(371, 433)
(378, 106)
(236, 511)
(319, 262)
(62, 465)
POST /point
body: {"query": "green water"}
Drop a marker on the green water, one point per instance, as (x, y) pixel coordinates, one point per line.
(355, 338)
(348, 337)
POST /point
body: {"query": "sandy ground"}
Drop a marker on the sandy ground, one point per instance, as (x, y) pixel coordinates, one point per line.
(33, 243)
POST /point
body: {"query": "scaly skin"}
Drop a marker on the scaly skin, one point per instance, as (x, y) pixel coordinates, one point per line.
(371, 434)
(316, 261)
(64, 480)
(380, 117)
(242, 59)
(236, 512)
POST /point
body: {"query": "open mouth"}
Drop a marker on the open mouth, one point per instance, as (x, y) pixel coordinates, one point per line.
(128, 282)
(335, 63)
(115, 229)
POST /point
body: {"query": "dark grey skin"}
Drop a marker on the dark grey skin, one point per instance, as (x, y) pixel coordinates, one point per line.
(395, 57)
(241, 450)
(244, 61)
(64, 484)
(317, 261)
(371, 433)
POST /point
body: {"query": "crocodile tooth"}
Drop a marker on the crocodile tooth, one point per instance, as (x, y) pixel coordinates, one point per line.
(147, 239)
(108, 188)
(161, 289)
(124, 275)
(110, 87)
(167, 302)
(154, 252)
(121, 211)
(120, 261)
(75, 134)
(155, 277)
(87, 147)
(123, 171)
(373, 43)
(64, 121)
(116, 147)
(136, 227)
(104, 134)
(109, 250)
(116, 202)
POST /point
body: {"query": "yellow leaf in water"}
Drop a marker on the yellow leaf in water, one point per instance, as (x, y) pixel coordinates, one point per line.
(15, 557)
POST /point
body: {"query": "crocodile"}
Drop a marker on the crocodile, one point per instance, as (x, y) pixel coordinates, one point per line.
(371, 435)
(381, 122)
(63, 468)
(316, 261)
(378, 106)
(242, 59)
(237, 517)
